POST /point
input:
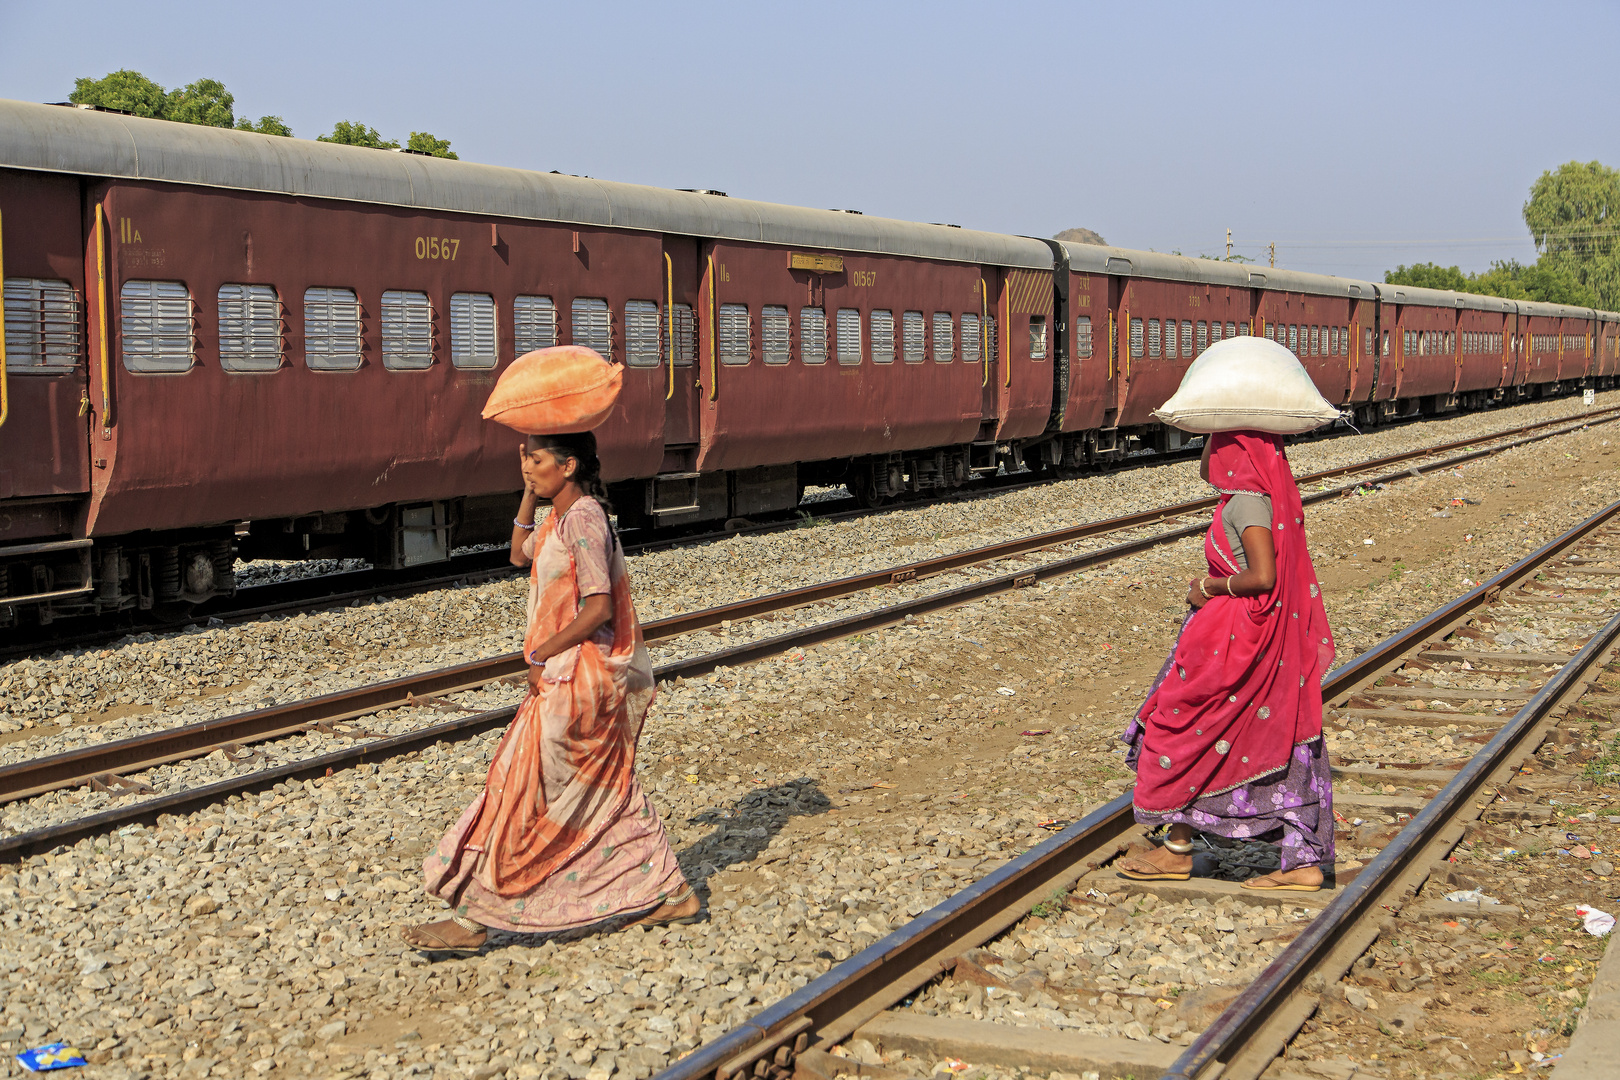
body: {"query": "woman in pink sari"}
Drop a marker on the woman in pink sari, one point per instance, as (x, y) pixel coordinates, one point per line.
(1229, 740)
(562, 835)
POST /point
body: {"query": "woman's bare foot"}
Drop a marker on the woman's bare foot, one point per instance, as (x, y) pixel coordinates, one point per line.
(1299, 879)
(1159, 864)
(677, 909)
(445, 936)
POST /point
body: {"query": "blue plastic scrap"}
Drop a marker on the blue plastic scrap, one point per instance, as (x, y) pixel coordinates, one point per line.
(57, 1055)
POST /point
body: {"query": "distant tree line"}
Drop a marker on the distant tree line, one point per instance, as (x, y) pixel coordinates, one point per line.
(1572, 216)
(207, 102)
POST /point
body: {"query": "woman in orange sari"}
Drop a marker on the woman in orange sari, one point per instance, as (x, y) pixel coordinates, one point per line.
(562, 835)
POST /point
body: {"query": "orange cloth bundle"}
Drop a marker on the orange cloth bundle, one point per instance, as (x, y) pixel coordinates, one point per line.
(555, 391)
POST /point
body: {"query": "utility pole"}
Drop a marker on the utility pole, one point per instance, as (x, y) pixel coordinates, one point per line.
(1228, 245)
(1273, 253)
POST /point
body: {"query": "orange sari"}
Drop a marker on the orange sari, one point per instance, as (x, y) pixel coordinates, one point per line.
(562, 834)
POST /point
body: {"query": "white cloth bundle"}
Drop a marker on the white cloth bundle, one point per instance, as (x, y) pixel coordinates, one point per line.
(1247, 384)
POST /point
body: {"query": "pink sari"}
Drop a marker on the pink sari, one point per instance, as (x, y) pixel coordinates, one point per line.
(1243, 688)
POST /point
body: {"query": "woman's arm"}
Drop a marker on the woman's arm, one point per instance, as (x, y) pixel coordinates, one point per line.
(594, 613)
(522, 532)
(1258, 579)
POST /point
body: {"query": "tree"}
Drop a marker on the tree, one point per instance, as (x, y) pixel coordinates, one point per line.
(1081, 236)
(424, 143)
(205, 102)
(124, 90)
(1574, 217)
(267, 125)
(1428, 276)
(352, 133)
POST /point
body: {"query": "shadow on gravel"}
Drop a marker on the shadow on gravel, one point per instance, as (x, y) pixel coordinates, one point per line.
(742, 832)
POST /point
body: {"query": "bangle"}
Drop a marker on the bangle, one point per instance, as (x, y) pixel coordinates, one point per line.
(529, 527)
(1228, 586)
(1203, 590)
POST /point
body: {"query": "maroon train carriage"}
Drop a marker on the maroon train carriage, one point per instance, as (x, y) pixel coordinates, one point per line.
(222, 344)
(214, 328)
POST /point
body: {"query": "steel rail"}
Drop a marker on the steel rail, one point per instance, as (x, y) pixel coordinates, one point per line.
(840, 1000)
(78, 767)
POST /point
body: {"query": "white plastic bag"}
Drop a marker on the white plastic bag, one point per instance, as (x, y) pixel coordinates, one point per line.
(1598, 923)
(1247, 384)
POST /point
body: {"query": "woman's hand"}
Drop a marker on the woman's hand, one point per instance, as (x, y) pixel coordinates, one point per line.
(535, 671)
(1195, 598)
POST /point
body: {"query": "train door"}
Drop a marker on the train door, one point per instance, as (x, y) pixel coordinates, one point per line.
(682, 391)
(995, 299)
(44, 381)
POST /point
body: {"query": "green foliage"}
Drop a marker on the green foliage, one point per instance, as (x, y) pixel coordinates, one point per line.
(351, 133)
(1051, 906)
(205, 102)
(1574, 218)
(124, 90)
(267, 125)
(424, 143)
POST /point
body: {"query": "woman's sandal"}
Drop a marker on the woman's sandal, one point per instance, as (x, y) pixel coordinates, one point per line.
(1148, 871)
(1272, 883)
(682, 909)
(430, 937)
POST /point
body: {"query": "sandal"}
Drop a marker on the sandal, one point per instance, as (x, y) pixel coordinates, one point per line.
(672, 905)
(1148, 871)
(430, 937)
(1272, 883)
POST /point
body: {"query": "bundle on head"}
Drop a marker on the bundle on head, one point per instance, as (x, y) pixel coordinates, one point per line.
(581, 446)
(1247, 384)
(566, 388)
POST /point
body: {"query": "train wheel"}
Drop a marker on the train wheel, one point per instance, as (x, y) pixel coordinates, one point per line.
(864, 489)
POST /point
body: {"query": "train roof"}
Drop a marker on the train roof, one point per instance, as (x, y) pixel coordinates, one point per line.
(50, 138)
(1099, 259)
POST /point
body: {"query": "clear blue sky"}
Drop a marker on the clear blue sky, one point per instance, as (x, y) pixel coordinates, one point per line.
(1356, 136)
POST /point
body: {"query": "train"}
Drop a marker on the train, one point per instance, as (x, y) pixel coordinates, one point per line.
(221, 345)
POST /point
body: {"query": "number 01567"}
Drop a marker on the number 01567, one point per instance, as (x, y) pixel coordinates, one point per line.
(437, 247)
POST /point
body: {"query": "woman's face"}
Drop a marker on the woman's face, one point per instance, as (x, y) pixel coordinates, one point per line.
(545, 475)
(1203, 462)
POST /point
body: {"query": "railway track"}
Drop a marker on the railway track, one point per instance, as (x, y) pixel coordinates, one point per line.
(1432, 662)
(116, 765)
(322, 591)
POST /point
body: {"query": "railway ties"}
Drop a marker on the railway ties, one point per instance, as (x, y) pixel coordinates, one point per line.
(1023, 969)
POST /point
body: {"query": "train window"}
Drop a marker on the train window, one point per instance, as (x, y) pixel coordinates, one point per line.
(407, 330)
(1214, 332)
(1037, 337)
(882, 337)
(913, 336)
(42, 326)
(734, 334)
(1231, 330)
(641, 337)
(1203, 337)
(249, 328)
(1386, 342)
(813, 335)
(1153, 337)
(1367, 342)
(1186, 339)
(534, 322)
(685, 336)
(776, 334)
(1271, 331)
(1293, 339)
(944, 337)
(1082, 337)
(590, 325)
(970, 339)
(1136, 339)
(849, 336)
(472, 330)
(155, 331)
(1313, 347)
(990, 338)
(1170, 347)
(332, 328)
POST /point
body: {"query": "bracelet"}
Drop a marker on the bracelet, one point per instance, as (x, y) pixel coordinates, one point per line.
(529, 527)
(1229, 591)
(1203, 590)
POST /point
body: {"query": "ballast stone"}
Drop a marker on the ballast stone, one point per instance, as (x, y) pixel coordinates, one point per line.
(1247, 384)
